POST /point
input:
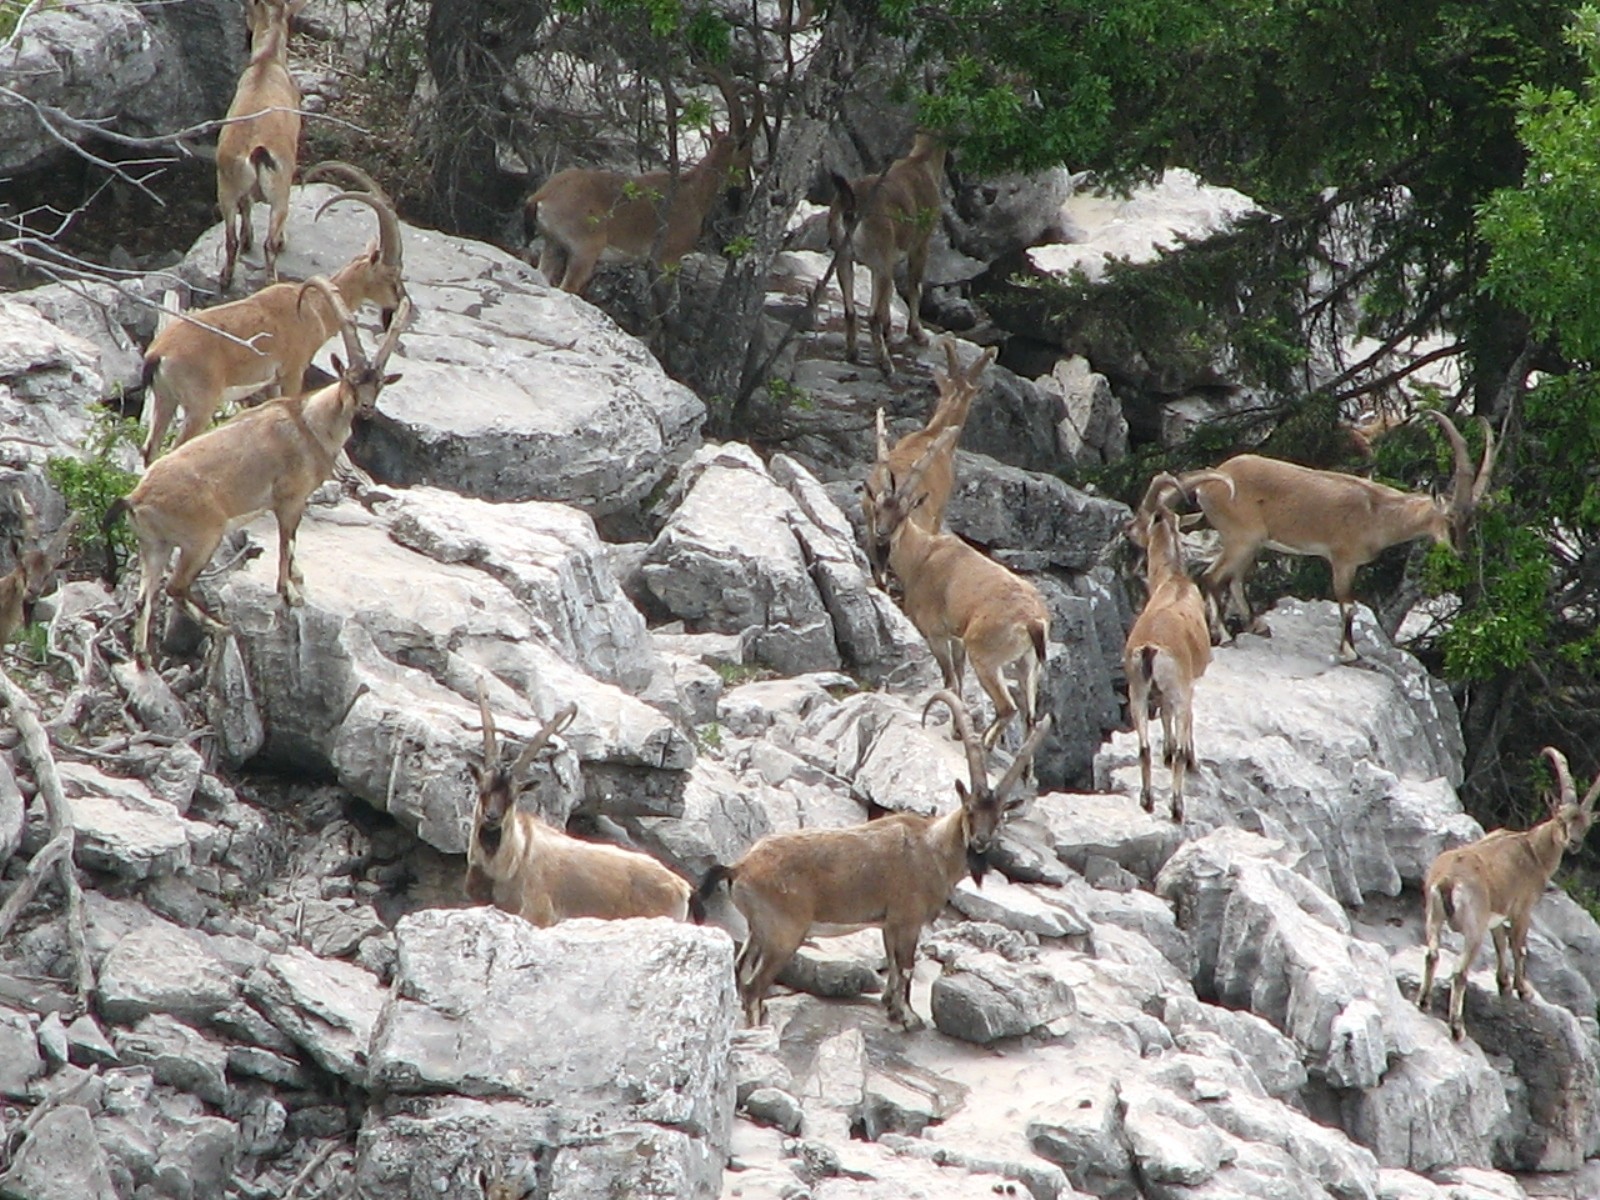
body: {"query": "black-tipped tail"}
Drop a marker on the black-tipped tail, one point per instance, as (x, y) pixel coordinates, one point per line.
(152, 364)
(530, 221)
(1037, 632)
(117, 508)
(709, 883)
(1147, 661)
(846, 196)
(262, 159)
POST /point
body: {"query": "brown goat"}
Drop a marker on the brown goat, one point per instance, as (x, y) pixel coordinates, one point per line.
(258, 146)
(25, 582)
(524, 867)
(957, 388)
(895, 873)
(882, 219)
(589, 215)
(965, 604)
(273, 336)
(267, 458)
(1345, 519)
(1169, 646)
(1491, 887)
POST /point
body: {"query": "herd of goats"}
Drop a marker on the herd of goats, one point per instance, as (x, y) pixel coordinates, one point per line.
(896, 872)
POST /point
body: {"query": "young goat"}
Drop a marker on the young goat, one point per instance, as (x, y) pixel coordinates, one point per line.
(882, 219)
(965, 604)
(25, 582)
(257, 148)
(895, 873)
(189, 367)
(1345, 519)
(1168, 648)
(271, 457)
(1491, 887)
(957, 388)
(589, 215)
(521, 865)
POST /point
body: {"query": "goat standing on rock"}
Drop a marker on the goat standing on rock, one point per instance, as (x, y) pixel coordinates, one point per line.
(1169, 646)
(271, 457)
(1343, 518)
(526, 868)
(1491, 887)
(895, 873)
(882, 219)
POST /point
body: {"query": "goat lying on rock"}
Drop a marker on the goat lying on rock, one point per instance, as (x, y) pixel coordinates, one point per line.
(1491, 887)
(895, 873)
(521, 865)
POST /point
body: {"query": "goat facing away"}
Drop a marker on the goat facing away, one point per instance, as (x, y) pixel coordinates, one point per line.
(589, 215)
(258, 146)
(522, 866)
(957, 388)
(1491, 886)
(881, 220)
(895, 873)
(1169, 646)
(267, 458)
(190, 368)
(1343, 518)
(965, 604)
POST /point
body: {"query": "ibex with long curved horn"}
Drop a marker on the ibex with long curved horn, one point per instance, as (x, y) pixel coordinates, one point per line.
(882, 219)
(267, 458)
(257, 147)
(589, 215)
(895, 873)
(965, 604)
(1345, 519)
(1491, 887)
(1169, 647)
(521, 865)
(957, 388)
(282, 327)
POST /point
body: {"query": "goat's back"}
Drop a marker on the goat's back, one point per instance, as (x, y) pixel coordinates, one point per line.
(1174, 618)
(542, 867)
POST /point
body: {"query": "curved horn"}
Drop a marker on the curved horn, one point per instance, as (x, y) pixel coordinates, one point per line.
(737, 129)
(347, 323)
(548, 730)
(1156, 494)
(1461, 498)
(491, 748)
(958, 713)
(1024, 756)
(1569, 794)
(333, 170)
(1589, 796)
(1486, 468)
(941, 445)
(391, 336)
(952, 360)
(388, 224)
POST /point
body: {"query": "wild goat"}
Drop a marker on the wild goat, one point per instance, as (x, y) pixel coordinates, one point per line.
(282, 326)
(882, 219)
(896, 873)
(25, 582)
(1169, 647)
(965, 604)
(1345, 519)
(957, 388)
(257, 148)
(1492, 885)
(589, 215)
(524, 867)
(271, 457)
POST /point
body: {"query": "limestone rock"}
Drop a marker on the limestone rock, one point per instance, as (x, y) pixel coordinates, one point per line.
(161, 968)
(59, 1160)
(330, 1008)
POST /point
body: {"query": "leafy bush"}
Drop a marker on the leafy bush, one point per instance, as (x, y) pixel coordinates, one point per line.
(91, 484)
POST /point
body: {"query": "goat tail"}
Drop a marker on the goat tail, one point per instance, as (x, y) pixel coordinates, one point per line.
(1147, 661)
(709, 882)
(847, 197)
(1038, 632)
(530, 219)
(697, 908)
(262, 159)
(118, 507)
(152, 364)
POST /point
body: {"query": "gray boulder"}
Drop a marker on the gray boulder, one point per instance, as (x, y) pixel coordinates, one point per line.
(329, 1008)
(59, 1160)
(160, 968)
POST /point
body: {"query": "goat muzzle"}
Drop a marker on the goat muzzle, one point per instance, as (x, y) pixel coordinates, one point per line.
(977, 861)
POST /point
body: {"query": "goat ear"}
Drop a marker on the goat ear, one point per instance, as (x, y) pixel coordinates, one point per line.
(966, 796)
(476, 772)
(338, 366)
(389, 380)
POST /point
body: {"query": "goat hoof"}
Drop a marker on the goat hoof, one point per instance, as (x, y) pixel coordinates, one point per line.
(1457, 1033)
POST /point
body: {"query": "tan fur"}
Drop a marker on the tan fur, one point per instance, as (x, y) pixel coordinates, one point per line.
(588, 215)
(522, 866)
(957, 388)
(895, 873)
(1491, 887)
(965, 604)
(882, 220)
(1345, 519)
(267, 458)
(1168, 649)
(189, 368)
(256, 155)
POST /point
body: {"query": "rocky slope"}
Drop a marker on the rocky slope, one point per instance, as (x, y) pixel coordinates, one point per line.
(291, 1001)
